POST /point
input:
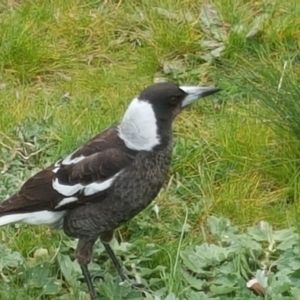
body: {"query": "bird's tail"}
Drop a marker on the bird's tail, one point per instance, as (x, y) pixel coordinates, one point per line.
(9, 212)
(18, 209)
(9, 219)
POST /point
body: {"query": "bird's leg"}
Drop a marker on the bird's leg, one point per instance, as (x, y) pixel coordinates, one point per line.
(116, 262)
(83, 254)
(105, 239)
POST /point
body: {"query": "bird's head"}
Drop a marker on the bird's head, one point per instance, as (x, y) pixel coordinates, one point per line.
(168, 99)
(148, 119)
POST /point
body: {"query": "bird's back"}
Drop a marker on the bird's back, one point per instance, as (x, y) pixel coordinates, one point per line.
(84, 176)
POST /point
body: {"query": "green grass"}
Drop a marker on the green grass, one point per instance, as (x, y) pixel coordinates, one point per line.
(69, 68)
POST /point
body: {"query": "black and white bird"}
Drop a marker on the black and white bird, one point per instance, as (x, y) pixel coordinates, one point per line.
(110, 179)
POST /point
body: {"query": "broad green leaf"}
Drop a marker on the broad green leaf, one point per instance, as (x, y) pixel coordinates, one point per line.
(205, 255)
(230, 280)
(285, 234)
(221, 227)
(155, 281)
(190, 260)
(279, 284)
(9, 258)
(194, 282)
(171, 296)
(148, 271)
(261, 232)
(273, 294)
(288, 261)
(228, 268)
(242, 242)
(70, 269)
(14, 292)
(295, 291)
(221, 289)
(213, 254)
(287, 244)
(52, 287)
(37, 276)
(157, 295)
(287, 238)
(121, 248)
(148, 250)
(200, 296)
(111, 290)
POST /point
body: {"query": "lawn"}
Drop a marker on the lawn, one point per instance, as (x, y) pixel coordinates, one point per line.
(69, 68)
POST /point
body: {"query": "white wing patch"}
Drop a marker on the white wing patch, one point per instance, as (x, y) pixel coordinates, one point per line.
(88, 190)
(55, 170)
(96, 187)
(69, 161)
(138, 128)
(57, 164)
(66, 190)
(70, 190)
(66, 201)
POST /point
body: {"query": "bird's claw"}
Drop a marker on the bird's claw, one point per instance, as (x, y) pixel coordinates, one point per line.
(134, 285)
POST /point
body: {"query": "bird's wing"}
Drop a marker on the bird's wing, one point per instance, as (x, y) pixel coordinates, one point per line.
(81, 177)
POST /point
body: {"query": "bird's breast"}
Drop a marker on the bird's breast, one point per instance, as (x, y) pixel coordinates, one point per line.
(138, 185)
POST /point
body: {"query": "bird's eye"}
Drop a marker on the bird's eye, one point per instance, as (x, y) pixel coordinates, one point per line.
(173, 100)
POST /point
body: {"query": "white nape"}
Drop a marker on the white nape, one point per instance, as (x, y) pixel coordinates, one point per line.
(43, 217)
(65, 201)
(138, 128)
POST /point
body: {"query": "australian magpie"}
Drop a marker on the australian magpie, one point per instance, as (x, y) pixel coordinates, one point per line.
(110, 179)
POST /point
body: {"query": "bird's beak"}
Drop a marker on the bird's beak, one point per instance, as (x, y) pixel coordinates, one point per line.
(196, 92)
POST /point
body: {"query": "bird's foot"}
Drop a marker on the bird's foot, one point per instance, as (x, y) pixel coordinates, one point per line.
(125, 278)
(94, 297)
